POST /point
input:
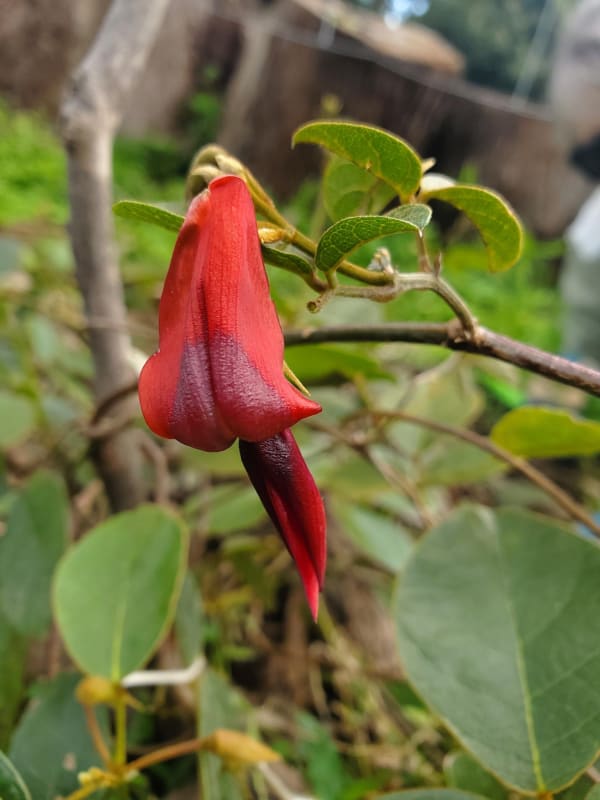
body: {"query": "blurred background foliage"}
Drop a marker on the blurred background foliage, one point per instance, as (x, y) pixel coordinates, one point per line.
(336, 691)
(494, 37)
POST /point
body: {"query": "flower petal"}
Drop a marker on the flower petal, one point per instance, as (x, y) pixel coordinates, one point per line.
(218, 373)
(288, 492)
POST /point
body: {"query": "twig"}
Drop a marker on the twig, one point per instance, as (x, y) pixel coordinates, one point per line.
(167, 753)
(561, 498)
(452, 336)
(96, 734)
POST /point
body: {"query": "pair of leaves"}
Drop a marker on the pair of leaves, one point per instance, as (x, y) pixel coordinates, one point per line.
(389, 160)
(379, 162)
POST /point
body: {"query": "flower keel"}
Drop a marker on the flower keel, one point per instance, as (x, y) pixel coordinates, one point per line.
(288, 492)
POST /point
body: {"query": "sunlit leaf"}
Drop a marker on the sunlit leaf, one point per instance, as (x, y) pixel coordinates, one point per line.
(381, 153)
(288, 261)
(495, 220)
(345, 236)
(348, 190)
(144, 212)
(537, 432)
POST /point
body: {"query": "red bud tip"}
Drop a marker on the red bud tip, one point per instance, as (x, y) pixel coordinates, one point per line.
(288, 492)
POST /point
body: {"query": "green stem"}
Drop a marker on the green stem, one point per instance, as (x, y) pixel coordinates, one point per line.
(120, 708)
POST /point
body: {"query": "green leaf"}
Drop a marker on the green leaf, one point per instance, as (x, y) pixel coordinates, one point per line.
(51, 744)
(35, 538)
(536, 432)
(17, 418)
(12, 669)
(495, 220)
(12, 786)
(450, 462)
(463, 772)
(189, 619)
(312, 363)
(431, 794)
(116, 590)
(348, 190)
(288, 261)
(325, 767)
(380, 537)
(447, 393)
(219, 706)
(594, 793)
(499, 624)
(378, 152)
(144, 212)
(234, 508)
(347, 235)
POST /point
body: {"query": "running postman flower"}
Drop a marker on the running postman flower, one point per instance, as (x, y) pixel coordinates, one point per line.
(218, 373)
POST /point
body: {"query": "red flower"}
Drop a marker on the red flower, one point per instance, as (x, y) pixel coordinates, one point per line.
(288, 492)
(218, 372)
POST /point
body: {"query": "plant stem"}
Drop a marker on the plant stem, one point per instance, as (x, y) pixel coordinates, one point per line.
(451, 335)
(561, 498)
(96, 734)
(167, 753)
(120, 708)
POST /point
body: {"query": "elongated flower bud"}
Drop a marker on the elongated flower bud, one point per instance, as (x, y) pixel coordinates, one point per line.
(218, 372)
(288, 492)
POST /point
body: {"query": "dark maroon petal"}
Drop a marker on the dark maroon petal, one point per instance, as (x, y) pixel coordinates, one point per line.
(288, 492)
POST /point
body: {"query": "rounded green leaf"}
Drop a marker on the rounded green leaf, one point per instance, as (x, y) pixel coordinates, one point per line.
(17, 418)
(348, 190)
(377, 535)
(495, 220)
(499, 624)
(314, 363)
(347, 235)
(52, 744)
(12, 786)
(463, 772)
(536, 432)
(381, 153)
(144, 212)
(35, 538)
(116, 590)
(451, 462)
